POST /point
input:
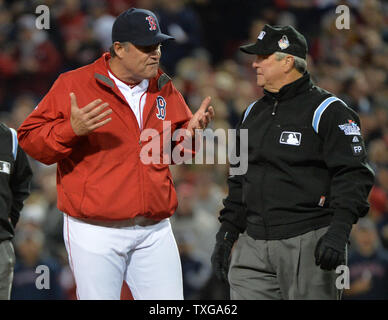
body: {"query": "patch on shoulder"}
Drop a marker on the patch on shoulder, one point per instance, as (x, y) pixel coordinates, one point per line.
(105, 79)
(163, 79)
(357, 149)
(351, 128)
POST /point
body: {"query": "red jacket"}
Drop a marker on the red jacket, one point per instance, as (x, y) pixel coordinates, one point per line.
(100, 175)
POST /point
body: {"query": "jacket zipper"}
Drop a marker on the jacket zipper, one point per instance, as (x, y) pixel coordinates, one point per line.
(138, 131)
(264, 173)
(141, 128)
(140, 164)
(275, 105)
(143, 122)
(149, 113)
(263, 212)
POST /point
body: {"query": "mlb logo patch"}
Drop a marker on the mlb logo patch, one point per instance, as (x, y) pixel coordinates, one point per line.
(291, 138)
(5, 167)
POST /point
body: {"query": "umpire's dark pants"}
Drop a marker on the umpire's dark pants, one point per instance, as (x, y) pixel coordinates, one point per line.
(280, 269)
(7, 263)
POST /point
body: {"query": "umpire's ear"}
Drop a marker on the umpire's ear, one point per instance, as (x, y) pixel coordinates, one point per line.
(288, 63)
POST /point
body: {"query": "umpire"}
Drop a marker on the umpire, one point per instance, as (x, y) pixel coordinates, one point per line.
(15, 178)
(307, 182)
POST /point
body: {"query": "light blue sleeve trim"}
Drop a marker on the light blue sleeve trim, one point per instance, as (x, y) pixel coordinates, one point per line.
(14, 143)
(321, 109)
(248, 110)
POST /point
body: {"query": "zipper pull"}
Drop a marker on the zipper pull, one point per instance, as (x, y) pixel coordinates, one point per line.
(274, 108)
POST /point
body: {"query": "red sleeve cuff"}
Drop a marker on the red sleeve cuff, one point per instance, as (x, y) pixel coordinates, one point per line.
(65, 133)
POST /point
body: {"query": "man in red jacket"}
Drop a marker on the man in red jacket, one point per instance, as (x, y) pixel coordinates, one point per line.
(116, 208)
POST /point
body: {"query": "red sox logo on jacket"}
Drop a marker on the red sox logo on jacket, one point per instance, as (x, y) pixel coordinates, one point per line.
(161, 105)
(151, 22)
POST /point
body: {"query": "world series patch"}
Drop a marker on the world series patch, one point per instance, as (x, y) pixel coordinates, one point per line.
(350, 129)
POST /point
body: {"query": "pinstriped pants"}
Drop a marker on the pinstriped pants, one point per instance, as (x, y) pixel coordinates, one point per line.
(7, 263)
(280, 269)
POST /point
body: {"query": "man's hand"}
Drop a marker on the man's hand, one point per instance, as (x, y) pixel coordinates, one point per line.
(330, 249)
(88, 118)
(221, 255)
(202, 117)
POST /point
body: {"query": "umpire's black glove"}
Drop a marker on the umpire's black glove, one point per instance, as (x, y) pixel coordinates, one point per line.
(225, 238)
(330, 249)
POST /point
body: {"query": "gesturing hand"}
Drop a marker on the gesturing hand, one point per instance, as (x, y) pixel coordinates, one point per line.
(88, 118)
(202, 117)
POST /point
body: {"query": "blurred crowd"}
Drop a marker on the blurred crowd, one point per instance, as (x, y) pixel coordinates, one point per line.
(203, 60)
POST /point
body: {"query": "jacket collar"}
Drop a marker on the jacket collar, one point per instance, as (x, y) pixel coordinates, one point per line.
(292, 89)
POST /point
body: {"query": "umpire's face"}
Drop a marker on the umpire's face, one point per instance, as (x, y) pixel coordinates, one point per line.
(139, 62)
(270, 71)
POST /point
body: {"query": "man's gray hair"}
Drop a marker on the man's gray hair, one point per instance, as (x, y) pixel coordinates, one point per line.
(299, 63)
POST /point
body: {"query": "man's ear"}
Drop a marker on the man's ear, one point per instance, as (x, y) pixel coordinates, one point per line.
(119, 49)
(289, 63)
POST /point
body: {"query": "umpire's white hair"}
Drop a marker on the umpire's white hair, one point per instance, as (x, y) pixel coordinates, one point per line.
(299, 63)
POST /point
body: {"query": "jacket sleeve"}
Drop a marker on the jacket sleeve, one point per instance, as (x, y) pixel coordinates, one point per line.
(20, 185)
(234, 213)
(345, 156)
(46, 135)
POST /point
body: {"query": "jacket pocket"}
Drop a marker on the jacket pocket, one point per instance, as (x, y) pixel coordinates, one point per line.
(161, 199)
(71, 190)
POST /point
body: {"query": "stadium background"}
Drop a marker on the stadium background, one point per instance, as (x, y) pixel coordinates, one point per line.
(204, 60)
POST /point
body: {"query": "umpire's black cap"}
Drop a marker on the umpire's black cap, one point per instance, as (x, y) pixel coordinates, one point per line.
(278, 38)
(138, 26)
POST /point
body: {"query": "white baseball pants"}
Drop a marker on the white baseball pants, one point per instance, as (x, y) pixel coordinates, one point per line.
(102, 257)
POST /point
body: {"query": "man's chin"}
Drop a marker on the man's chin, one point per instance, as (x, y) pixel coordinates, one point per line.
(260, 83)
(153, 73)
